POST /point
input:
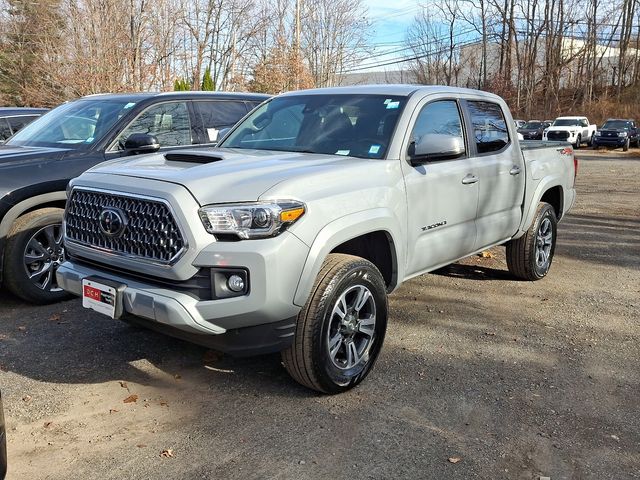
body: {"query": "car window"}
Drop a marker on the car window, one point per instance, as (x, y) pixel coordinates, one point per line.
(18, 122)
(489, 127)
(5, 130)
(441, 117)
(584, 123)
(219, 114)
(168, 122)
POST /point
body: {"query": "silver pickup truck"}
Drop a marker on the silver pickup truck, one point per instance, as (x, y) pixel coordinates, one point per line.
(316, 206)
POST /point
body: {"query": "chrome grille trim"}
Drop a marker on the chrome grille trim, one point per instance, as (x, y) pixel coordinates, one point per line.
(153, 234)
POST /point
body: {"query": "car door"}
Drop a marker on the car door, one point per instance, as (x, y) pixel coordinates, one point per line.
(442, 195)
(500, 169)
(214, 115)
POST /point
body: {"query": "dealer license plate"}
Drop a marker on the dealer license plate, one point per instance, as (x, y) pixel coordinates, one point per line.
(99, 297)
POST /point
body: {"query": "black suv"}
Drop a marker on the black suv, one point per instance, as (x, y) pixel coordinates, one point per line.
(616, 133)
(13, 119)
(533, 129)
(37, 163)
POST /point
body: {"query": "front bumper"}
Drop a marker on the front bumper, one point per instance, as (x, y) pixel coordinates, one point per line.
(609, 141)
(274, 267)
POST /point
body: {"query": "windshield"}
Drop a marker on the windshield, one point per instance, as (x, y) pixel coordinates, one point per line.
(617, 124)
(567, 122)
(74, 125)
(341, 124)
(532, 125)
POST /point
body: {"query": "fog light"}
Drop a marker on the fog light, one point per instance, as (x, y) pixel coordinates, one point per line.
(235, 283)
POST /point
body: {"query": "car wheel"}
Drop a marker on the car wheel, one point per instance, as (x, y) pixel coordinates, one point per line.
(33, 253)
(578, 142)
(529, 257)
(625, 147)
(341, 329)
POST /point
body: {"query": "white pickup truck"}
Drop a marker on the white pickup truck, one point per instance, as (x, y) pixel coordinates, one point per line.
(317, 205)
(575, 130)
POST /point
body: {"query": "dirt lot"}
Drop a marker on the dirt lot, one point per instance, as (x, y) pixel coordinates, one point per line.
(515, 379)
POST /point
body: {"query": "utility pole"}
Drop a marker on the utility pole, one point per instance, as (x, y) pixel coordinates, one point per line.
(297, 46)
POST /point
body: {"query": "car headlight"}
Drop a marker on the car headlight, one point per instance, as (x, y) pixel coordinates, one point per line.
(622, 134)
(597, 134)
(572, 132)
(251, 220)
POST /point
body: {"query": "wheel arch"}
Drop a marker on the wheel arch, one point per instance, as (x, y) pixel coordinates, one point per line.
(372, 234)
(550, 191)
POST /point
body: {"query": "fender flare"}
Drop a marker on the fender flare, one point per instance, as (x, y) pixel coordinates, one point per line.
(18, 209)
(541, 189)
(343, 229)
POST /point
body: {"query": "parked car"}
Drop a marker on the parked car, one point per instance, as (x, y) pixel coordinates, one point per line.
(533, 130)
(617, 132)
(575, 130)
(38, 162)
(13, 119)
(317, 205)
(3, 443)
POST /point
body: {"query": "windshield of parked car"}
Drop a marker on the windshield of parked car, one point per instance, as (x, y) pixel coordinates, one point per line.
(342, 124)
(617, 125)
(75, 125)
(566, 122)
(532, 125)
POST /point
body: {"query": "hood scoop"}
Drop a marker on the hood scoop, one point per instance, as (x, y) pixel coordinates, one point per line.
(192, 158)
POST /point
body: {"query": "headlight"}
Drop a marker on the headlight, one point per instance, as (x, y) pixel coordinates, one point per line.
(597, 134)
(622, 134)
(251, 220)
(572, 132)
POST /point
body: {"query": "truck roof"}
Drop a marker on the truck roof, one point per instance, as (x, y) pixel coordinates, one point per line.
(571, 117)
(391, 89)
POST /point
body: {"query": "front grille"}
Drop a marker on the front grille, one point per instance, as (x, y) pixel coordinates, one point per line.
(557, 135)
(150, 232)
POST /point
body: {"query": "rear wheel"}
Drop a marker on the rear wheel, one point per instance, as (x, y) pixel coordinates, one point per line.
(529, 257)
(34, 252)
(341, 329)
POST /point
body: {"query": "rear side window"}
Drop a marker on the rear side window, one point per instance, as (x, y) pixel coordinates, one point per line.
(217, 115)
(489, 127)
(5, 131)
(18, 122)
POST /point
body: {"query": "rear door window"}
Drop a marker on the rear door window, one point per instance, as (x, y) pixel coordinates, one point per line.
(489, 127)
(5, 130)
(216, 115)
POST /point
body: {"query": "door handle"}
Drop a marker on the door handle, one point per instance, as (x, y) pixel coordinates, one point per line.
(515, 170)
(469, 179)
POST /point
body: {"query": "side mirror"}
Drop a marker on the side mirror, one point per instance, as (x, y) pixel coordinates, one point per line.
(141, 143)
(435, 146)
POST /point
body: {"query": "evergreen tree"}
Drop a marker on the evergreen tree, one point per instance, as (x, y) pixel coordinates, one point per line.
(207, 81)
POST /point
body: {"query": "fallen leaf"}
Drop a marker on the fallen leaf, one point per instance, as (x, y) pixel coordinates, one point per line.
(26, 398)
(164, 404)
(47, 424)
(55, 317)
(486, 254)
(124, 385)
(454, 459)
(490, 333)
(131, 399)
(616, 438)
(113, 410)
(167, 452)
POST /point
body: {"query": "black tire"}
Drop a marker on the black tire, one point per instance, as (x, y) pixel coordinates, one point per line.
(16, 277)
(523, 254)
(309, 360)
(625, 147)
(578, 142)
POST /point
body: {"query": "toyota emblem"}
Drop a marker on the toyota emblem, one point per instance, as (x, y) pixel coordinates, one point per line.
(112, 221)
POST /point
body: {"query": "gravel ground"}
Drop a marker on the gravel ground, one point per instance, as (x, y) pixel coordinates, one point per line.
(517, 380)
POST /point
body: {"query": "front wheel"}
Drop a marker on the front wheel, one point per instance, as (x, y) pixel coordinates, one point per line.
(625, 147)
(341, 329)
(529, 257)
(34, 251)
(578, 142)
